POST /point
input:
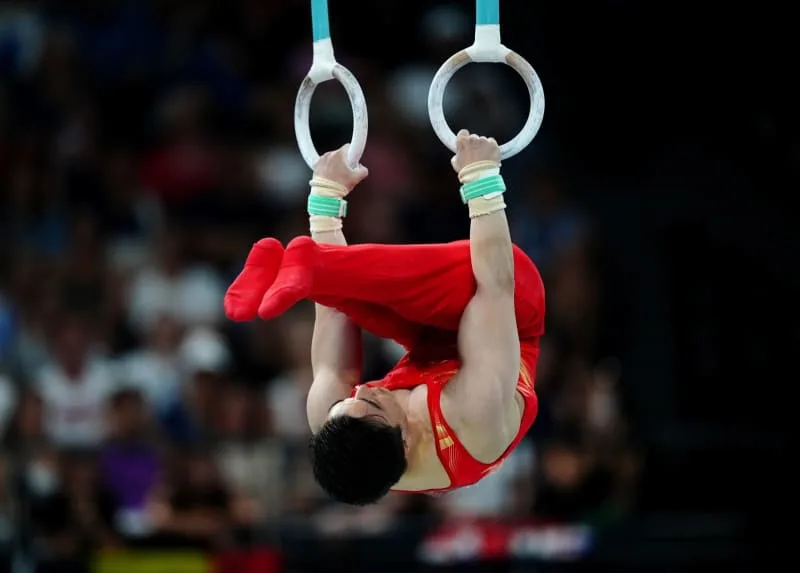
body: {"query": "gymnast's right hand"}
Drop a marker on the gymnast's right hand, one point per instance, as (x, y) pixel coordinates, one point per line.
(332, 166)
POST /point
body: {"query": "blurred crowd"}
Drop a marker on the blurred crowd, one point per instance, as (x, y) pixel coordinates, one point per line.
(144, 145)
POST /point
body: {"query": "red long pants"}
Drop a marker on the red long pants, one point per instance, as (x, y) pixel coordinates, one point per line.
(397, 291)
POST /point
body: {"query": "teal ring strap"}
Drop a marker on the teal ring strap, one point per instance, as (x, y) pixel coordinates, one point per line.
(326, 206)
(482, 187)
(320, 23)
(487, 12)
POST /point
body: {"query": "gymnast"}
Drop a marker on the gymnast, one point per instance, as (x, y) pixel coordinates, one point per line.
(469, 314)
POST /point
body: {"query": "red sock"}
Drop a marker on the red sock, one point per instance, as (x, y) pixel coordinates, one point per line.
(259, 272)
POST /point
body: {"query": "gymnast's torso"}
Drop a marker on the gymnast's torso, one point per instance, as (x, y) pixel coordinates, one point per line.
(446, 461)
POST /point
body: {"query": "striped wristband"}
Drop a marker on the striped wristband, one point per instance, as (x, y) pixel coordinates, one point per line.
(486, 186)
(326, 206)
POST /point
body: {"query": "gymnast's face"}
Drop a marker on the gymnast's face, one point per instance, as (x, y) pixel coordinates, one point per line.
(377, 404)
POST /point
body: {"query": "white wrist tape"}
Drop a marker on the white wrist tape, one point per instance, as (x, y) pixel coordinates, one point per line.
(487, 204)
(327, 188)
(478, 170)
(323, 224)
(322, 187)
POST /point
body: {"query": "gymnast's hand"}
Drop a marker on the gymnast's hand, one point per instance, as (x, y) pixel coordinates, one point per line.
(471, 149)
(333, 166)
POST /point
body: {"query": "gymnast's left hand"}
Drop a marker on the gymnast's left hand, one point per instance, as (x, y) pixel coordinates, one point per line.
(333, 166)
(472, 148)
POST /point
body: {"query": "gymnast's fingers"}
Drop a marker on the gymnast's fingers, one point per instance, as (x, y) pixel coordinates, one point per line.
(260, 269)
(360, 172)
(462, 140)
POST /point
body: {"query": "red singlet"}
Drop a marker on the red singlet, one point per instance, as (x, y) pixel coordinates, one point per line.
(461, 467)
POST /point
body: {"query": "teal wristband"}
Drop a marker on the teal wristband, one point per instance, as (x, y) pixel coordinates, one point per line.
(482, 187)
(326, 206)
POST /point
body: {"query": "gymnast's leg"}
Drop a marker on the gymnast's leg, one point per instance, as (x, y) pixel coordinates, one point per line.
(427, 285)
(244, 296)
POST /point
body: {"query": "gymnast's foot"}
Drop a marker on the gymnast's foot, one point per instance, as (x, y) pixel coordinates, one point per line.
(259, 272)
(295, 278)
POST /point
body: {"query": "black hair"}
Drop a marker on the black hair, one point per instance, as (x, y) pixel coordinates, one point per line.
(356, 460)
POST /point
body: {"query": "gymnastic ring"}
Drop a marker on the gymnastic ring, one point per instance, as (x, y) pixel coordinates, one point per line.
(302, 113)
(492, 54)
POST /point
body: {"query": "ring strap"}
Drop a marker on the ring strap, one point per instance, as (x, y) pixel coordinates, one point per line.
(494, 184)
(326, 206)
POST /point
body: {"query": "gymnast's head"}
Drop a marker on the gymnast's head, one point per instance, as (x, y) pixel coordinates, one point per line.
(360, 451)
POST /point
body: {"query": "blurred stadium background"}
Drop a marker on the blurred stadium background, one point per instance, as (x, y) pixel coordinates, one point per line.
(145, 144)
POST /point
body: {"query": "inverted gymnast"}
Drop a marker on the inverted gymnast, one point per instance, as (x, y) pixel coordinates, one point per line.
(469, 314)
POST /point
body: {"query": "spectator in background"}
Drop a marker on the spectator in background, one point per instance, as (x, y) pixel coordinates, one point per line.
(8, 402)
(337, 521)
(173, 287)
(91, 506)
(40, 492)
(8, 512)
(204, 362)
(130, 215)
(184, 166)
(155, 367)
(547, 223)
(571, 485)
(35, 302)
(32, 217)
(286, 409)
(286, 394)
(608, 438)
(83, 275)
(303, 496)
(130, 463)
(443, 29)
(195, 507)
(70, 512)
(7, 327)
(26, 426)
(574, 306)
(21, 36)
(75, 387)
(251, 461)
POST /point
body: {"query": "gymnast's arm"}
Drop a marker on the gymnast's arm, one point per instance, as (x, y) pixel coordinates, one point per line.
(335, 353)
(488, 340)
(336, 344)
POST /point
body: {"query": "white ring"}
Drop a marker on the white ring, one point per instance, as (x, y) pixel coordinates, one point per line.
(535, 92)
(302, 113)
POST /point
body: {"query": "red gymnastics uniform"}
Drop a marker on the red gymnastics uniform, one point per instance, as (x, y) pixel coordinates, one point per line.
(415, 295)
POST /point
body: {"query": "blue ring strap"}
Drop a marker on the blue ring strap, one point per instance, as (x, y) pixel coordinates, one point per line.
(487, 12)
(320, 23)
